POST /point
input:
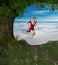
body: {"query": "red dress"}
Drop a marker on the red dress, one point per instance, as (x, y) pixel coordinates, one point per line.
(31, 26)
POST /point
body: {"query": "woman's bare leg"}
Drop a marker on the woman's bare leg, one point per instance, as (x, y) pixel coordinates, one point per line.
(32, 34)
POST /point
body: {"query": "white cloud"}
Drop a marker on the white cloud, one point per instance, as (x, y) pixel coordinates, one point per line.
(39, 12)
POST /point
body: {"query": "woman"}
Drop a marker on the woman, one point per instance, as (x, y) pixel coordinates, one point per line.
(31, 28)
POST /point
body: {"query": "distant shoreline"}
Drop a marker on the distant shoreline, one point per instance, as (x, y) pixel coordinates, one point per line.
(38, 21)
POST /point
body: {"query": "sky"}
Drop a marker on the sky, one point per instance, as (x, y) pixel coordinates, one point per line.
(41, 14)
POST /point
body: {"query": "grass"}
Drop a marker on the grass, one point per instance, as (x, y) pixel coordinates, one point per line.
(19, 53)
(51, 49)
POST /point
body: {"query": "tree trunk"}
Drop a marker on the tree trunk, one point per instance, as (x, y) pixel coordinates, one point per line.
(10, 27)
(7, 29)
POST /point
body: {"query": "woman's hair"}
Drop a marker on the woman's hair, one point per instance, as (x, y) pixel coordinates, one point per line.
(34, 18)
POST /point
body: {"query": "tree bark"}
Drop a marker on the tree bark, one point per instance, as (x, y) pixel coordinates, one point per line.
(7, 29)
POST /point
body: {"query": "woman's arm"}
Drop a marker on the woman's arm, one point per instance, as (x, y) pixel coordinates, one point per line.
(33, 22)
